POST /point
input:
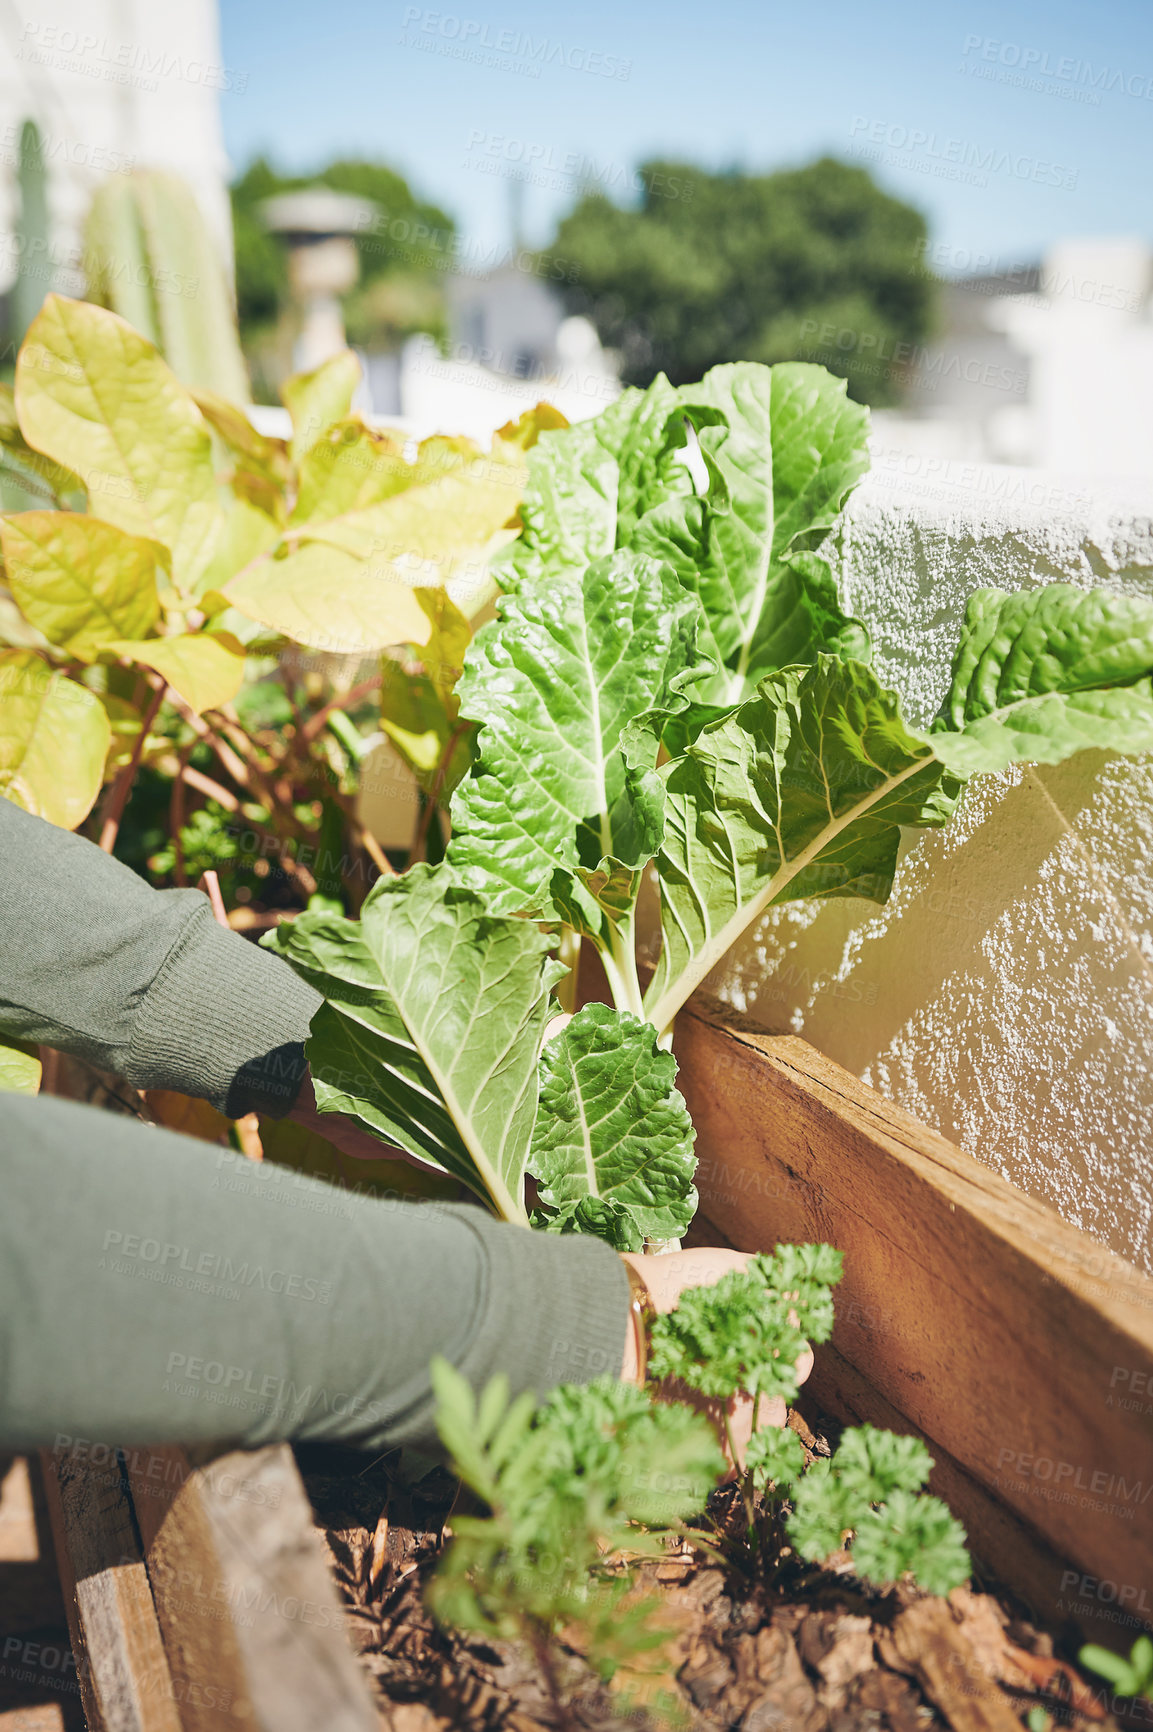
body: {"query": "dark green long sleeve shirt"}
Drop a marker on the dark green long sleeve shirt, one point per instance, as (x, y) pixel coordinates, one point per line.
(157, 1289)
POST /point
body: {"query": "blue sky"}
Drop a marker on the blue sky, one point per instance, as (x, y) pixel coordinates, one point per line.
(1011, 124)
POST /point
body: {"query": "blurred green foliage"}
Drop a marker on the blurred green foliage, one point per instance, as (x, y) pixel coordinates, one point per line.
(403, 257)
(810, 264)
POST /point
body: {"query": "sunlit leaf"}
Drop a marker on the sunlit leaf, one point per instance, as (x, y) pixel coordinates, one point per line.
(205, 668)
(613, 1128)
(1043, 673)
(54, 737)
(348, 467)
(331, 600)
(395, 1044)
(82, 582)
(315, 400)
(93, 394)
(19, 1067)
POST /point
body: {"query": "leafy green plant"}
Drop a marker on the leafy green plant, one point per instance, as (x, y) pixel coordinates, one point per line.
(869, 1495)
(1131, 1677)
(672, 687)
(175, 553)
(204, 543)
(744, 1335)
(748, 1330)
(597, 1470)
(582, 1488)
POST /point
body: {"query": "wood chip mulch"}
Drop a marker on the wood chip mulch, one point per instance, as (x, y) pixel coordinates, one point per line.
(809, 1651)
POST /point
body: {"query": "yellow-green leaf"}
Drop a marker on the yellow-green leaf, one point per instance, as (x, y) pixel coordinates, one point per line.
(54, 737)
(29, 463)
(348, 467)
(450, 636)
(330, 600)
(19, 1067)
(247, 533)
(82, 582)
(525, 432)
(420, 531)
(93, 394)
(205, 668)
(315, 400)
(259, 454)
(419, 707)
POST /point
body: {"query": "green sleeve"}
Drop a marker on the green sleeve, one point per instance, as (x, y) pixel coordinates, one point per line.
(139, 981)
(153, 1290)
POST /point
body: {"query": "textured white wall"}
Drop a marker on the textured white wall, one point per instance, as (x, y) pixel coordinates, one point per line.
(1005, 994)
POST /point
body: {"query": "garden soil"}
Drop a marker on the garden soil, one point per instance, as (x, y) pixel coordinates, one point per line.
(809, 1650)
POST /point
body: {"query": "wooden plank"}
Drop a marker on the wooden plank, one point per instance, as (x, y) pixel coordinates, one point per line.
(1020, 1348)
(39, 1691)
(249, 1611)
(999, 1540)
(125, 1681)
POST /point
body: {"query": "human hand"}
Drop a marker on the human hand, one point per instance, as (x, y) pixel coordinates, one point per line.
(346, 1135)
(667, 1276)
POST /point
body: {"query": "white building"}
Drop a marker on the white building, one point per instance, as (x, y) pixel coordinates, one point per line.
(113, 85)
(1052, 368)
(510, 346)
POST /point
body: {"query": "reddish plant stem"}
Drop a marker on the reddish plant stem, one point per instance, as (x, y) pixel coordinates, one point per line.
(215, 790)
(246, 775)
(248, 1127)
(315, 724)
(243, 743)
(176, 818)
(235, 766)
(126, 775)
(374, 850)
(224, 797)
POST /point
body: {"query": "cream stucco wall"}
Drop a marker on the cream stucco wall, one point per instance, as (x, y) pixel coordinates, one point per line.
(1005, 994)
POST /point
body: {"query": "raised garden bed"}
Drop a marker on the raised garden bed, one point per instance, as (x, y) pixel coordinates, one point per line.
(243, 1627)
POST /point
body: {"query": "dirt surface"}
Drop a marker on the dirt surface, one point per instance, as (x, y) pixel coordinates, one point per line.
(792, 1649)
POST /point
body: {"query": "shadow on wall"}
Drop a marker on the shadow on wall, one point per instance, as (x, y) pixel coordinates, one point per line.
(1005, 993)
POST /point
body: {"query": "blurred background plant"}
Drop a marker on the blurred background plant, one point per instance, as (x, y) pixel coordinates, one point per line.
(231, 651)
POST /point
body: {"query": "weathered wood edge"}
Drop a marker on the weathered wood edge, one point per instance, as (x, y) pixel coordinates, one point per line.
(250, 1614)
(969, 1312)
(125, 1681)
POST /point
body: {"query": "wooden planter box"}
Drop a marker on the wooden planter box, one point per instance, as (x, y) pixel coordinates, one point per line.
(197, 1593)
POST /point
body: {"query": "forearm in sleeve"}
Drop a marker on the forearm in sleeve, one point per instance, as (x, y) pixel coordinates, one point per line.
(153, 1291)
(139, 981)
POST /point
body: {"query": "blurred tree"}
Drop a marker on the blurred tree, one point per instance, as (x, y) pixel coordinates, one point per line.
(403, 257)
(814, 264)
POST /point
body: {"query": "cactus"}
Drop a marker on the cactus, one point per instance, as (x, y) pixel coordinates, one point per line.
(29, 289)
(150, 258)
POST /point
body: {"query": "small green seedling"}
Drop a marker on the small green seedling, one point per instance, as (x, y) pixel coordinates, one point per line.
(597, 1475)
(576, 1490)
(1131, 1677)
(869, 1496)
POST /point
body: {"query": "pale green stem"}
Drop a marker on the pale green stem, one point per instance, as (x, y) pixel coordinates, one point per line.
(743, 1479)
(569, 952)
(620, 966)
